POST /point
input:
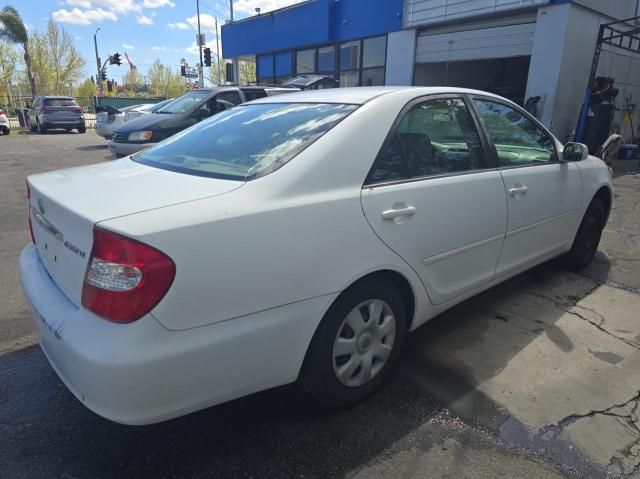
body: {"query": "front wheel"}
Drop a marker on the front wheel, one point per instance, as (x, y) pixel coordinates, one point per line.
(587, 238)
(356, 345)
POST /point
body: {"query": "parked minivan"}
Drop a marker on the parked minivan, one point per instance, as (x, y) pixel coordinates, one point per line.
(181, 113)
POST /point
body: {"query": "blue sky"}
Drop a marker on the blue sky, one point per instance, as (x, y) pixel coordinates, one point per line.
(146, 29)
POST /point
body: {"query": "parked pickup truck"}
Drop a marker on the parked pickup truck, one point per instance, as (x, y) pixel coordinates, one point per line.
(181, 113)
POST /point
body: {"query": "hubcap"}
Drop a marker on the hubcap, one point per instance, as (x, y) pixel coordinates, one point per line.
(364, 343)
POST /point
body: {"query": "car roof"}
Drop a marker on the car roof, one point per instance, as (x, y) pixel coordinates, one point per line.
(57, 97)
(362, 95)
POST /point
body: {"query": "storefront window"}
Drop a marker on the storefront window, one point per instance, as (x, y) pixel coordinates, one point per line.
(284, 64)
(374, 52)
(349, 78)
(373, 76)
(350, 55)
(306, 61)
(327, 59)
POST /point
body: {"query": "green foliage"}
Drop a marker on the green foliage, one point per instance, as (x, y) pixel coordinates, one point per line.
(9, 59)
(163, 81)
(57, 64)
(12, 29)
(86, 89)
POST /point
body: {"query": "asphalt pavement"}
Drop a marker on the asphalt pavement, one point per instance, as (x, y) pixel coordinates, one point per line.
(437, 417)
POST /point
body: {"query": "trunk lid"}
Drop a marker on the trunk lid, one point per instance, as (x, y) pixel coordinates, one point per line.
(66, 204)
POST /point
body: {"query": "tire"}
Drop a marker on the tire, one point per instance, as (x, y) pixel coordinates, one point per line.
(341, 380)
(42, 130)
(7, 131)
(82, 130)
(587, 239)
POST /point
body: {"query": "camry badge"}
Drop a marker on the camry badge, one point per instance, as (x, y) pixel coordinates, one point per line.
(41, 205)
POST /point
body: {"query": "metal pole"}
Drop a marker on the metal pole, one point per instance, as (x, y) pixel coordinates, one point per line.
(236, 69)
(219, 79)
(200, 72)
(584, 113)
(95, 44)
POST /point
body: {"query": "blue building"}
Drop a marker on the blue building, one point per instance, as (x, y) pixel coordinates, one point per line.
(346, 39)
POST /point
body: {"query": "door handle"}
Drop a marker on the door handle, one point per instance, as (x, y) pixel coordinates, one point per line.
(396, 212)
(518, 190)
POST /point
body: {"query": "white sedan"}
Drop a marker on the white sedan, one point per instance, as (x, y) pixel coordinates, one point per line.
(294, 239)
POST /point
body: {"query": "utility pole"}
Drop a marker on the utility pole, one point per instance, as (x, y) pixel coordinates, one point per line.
(218, 54)
(236, 69)
(95, 44)
(200, 69)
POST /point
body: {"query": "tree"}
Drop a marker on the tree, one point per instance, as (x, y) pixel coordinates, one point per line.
(12, 30)
(57, 64)
(86, 89)
(9, 59)
(163, 81)
(131, 82)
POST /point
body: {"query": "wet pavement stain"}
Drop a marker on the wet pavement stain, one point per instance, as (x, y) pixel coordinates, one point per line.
(611, 358)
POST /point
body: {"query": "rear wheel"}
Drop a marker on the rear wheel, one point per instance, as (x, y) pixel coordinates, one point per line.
(82, 130)
(7, 131)
(356, 345)
(587, 239)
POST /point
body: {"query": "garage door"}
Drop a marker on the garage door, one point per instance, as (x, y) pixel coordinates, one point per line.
(476, 44)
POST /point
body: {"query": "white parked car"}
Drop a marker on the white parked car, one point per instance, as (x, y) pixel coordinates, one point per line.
(146, 109)
(111, 118)
(294, 238)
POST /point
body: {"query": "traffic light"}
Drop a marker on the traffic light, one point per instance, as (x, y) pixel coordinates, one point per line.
(207, 57)
(115, 59)
(103, 74)
(183, 70)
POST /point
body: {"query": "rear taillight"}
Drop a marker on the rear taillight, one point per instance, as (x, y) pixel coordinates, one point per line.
(33, 238)
(125, 279)
(44, 110)
(77, 109)
(1, 111)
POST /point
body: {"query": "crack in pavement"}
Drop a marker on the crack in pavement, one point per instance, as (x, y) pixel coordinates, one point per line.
(629, 420)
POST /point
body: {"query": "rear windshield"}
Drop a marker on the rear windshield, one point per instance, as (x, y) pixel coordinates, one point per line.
(60, 102)
(246, 142)
(185, 103)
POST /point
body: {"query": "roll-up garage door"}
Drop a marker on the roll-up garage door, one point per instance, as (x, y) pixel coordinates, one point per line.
(476, 44)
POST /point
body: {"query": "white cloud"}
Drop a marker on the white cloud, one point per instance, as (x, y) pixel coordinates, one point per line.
(159, 49)
(83, 17)
(117, 6)
(78, 37)
(179, 26)
(158, 3)
(193, 49)
(126, 46)
(144, 20)
(207, 23)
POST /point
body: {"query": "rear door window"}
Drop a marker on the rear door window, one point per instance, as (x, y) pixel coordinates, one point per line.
(434, 137)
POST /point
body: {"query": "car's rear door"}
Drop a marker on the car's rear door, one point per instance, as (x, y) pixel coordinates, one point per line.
(543, 194)
(434, 197)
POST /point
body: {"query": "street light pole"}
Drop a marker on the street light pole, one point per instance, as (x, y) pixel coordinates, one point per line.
(200, 70)
(95, 44)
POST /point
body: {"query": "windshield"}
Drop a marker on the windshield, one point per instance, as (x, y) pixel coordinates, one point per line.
(246, 142)
(159, 106)
(60, 102)
(185, 103)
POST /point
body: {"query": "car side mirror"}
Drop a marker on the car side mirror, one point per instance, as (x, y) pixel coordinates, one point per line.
(203, 113)
(575, 152)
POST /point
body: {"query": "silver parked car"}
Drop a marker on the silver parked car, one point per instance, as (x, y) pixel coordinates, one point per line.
(56, 112)
(111, 118)
(146, 109)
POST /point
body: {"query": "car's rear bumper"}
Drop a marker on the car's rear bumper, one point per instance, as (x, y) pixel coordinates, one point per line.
(125, 149)
(141, 373)
(105, 131)
(63, 124)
